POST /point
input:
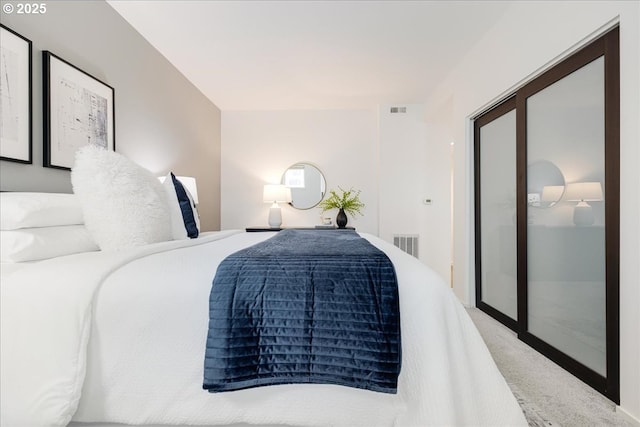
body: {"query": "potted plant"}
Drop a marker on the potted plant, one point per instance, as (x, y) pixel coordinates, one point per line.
(348, 202)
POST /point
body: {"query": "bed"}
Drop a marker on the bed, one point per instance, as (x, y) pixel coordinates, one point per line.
(118, 336)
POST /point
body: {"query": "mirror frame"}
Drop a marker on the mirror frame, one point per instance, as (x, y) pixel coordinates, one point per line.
(322, 177)
(547, 174)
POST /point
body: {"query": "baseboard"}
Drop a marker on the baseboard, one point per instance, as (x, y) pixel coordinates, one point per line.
(633, 420)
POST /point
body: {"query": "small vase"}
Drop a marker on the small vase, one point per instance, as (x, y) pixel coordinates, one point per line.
(341, 219)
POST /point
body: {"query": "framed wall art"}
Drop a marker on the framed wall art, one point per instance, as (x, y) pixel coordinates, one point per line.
(15, 97)
(78, 110)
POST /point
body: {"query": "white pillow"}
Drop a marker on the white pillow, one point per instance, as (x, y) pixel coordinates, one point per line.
(24, 210)
(185, 221)
(33, 244)
(124, 205)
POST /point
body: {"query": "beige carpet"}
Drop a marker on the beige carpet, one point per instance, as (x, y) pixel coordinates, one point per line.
(549, 395)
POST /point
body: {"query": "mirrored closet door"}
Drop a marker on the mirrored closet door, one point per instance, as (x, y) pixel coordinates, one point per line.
(565, 242)
(547, 213)
(496, 212)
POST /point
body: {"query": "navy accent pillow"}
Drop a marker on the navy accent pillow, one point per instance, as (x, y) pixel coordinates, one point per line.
(189, 213)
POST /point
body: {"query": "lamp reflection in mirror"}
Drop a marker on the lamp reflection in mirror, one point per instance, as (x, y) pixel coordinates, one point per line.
(275, 193)
(583, 192)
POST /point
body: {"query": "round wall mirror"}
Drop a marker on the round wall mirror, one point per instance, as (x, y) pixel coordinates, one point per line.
(307, 185)
(545, 184)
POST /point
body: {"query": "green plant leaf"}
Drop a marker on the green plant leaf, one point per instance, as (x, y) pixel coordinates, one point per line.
(348, 200)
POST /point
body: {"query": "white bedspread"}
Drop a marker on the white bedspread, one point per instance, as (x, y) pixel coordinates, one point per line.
(120, 337)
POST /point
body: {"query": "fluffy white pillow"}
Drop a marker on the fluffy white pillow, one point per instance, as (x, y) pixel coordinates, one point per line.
(33, 244)
(123, 204)
(24, 210)
(185, 221)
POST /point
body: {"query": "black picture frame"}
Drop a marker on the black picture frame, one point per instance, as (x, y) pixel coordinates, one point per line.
(78, 110)
(16, 136)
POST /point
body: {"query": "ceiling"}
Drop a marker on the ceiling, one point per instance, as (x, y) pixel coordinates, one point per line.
(287, 55)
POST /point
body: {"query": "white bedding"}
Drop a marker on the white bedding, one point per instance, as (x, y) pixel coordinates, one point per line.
(120, 337)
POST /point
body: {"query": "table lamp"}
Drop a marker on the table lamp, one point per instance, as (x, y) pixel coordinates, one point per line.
(583, 192)
(275, 193)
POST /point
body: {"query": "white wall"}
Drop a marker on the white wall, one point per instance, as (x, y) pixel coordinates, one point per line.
(163, 122)
(383, 154)
(437, 168)
(258, 146)
(410, 171)
(530, 37)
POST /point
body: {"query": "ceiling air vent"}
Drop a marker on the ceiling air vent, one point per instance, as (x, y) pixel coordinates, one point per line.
(398, 109)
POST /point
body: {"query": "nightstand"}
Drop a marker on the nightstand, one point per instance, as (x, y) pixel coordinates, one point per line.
(260, 229)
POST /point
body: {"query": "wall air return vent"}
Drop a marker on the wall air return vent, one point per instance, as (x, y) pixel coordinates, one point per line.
(398, 110)
(407, 242)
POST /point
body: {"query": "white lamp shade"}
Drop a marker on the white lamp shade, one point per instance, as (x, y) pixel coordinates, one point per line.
(189, 183)
(584, 191)
(275, 193)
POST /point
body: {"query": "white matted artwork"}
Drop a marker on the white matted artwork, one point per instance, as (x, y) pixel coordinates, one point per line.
(79, 110)
(15, 97)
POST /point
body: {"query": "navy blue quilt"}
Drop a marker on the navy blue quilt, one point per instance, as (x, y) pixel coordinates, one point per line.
(304, 306)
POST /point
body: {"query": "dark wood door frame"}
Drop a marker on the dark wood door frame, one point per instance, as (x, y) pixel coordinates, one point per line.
(607, 46)
(489, 116)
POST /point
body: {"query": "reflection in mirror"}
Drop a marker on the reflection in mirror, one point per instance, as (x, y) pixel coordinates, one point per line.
(545, 184)
(307, 185)
(498, 244)
(566, 264)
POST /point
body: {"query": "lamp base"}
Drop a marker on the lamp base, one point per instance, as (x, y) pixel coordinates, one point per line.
(275, 216)
(583, 214)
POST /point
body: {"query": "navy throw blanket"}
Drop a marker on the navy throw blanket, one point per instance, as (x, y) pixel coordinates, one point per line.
(305, 306)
